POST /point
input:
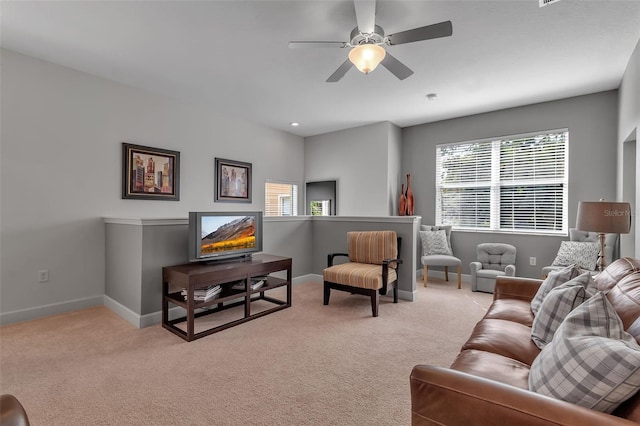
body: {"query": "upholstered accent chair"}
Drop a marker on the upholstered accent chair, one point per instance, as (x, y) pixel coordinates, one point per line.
(572, 253)
(437, 251)
(372, 267)
(493, 260)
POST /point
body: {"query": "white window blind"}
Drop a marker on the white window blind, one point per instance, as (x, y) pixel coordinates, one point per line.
(513, 184)
(281, 199)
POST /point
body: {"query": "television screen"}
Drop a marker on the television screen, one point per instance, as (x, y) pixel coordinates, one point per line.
(223, 235)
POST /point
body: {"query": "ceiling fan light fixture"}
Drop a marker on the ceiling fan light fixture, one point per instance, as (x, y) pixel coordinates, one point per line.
(366, 57)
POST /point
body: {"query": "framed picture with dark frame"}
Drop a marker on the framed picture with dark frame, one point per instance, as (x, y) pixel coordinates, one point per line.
(150, 173)
(233, 181)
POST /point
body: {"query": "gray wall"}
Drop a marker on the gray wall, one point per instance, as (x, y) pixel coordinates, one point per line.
(123, 265)
(628, 129)
(358, 159)
(60, 171)
(61, 174)
(630, 165)
(395, 175)
(592, 124)
(137, 249)
(291, 237)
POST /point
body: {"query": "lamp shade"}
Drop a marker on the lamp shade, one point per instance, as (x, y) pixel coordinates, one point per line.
(366, 57)
(604, 217)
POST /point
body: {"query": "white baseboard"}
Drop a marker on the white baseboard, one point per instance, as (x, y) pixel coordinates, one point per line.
(146, 320)
(137, 320)
(133, 318)
(123, 312)
(407, 295)
(48, 310)
(314, 278)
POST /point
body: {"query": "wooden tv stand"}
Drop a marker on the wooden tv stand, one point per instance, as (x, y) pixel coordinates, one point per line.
(197, 275)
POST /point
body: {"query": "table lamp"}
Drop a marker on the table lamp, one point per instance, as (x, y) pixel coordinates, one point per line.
(604, 217)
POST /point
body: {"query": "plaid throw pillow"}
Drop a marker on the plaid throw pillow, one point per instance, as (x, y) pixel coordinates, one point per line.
(591, 361)
(557, 305)
(553, 280)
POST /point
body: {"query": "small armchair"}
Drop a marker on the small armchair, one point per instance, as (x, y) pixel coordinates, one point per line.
(371, 269)
(493, 260)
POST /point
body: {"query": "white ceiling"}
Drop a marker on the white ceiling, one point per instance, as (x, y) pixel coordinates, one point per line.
(233, 56)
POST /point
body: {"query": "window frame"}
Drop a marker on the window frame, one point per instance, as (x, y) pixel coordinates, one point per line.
(278, 198)
(496, 184)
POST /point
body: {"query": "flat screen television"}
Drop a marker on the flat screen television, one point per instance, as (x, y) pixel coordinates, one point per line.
(224, 235)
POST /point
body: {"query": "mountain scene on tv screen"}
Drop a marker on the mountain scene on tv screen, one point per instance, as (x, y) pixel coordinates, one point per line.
(235, 235)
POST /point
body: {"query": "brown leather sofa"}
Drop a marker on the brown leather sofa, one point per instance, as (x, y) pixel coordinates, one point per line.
(12, 412)
(487, 384)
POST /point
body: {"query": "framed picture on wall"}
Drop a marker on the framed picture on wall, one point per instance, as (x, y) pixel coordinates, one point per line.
(233, 181)
(150, 173)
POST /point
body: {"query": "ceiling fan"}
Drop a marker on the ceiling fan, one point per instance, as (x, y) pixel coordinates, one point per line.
(367, 41)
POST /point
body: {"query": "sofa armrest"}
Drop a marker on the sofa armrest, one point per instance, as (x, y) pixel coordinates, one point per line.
(12, 412)
(516, 288)
(450, 397)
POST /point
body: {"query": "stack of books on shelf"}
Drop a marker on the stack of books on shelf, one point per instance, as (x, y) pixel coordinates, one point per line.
(204, 294)
(256, 282)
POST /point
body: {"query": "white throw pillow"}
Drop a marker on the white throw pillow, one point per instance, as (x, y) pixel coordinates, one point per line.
(434, 242)
(583, 254)
(591, 361)
(446, 228)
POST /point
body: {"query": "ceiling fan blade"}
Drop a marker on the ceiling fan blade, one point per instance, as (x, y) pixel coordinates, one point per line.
(365, 15)
(316, 44)
(340, 72)
(396, 67)
(443, 29)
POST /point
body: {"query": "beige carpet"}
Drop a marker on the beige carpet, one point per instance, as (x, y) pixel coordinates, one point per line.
(306, 365)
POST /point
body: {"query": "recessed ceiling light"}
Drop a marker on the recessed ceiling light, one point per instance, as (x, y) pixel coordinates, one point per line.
(432, 96)
(294, 124)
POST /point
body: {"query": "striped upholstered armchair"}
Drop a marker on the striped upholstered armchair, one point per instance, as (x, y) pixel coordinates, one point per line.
(371, 269)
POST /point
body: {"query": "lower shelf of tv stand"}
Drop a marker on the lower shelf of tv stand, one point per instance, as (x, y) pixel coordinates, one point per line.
(173, 325)
(245, 304)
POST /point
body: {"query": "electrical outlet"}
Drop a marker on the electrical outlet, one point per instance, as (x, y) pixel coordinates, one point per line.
(43, 276)
(532, 261)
